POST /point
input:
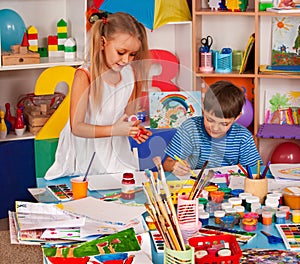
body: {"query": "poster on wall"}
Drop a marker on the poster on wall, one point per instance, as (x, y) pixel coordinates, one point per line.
(170, 109)
(286, 41)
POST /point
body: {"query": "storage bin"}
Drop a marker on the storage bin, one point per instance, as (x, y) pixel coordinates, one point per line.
(222, 60)
(206, 242)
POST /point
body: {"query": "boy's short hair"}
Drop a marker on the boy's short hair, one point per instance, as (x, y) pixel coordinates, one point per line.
(224, 99)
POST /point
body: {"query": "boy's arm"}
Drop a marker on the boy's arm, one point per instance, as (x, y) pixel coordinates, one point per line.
(176, 167)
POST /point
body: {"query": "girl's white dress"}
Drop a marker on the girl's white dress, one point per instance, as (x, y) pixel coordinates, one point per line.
(113, 154)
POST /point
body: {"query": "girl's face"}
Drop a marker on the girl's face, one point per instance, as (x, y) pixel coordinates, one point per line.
(216, 127)
(120, 50)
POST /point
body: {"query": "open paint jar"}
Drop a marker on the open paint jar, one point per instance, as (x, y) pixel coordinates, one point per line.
(291, 197)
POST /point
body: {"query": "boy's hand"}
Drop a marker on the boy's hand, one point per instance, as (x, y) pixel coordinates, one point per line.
(180, 170)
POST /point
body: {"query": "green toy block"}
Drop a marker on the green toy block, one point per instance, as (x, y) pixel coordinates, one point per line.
(44, 150)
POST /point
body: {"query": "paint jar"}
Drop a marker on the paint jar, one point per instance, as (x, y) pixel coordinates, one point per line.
(273, 210)
(249, 224)
(275, 196)
(291, 197)
(279, 195)
(128, 186)
(251, 215)
(225, 206)
(217, 196)
(236, 192)
(200, 208)
(218, 215)
(250, 200)
(227, 221)
(212, 206)
(204, 194)
(210, 188)
(267, 217)
(259, 213)
(296, 216)
(285, 209)
(240, 210)
(255, 206)
(280, 217)
(272, 202)
(203, 201)
(235, 201)
(204, 218)
(227, 192)
(243, 196)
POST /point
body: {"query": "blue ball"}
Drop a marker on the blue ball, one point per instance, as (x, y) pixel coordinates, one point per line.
(12, 28)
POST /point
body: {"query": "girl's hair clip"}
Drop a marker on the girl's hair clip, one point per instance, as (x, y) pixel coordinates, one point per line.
(104, 20)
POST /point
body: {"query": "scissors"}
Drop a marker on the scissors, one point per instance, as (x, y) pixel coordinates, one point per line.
(206, 42)
(272, 239)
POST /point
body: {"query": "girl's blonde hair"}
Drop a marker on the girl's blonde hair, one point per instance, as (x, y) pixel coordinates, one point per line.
(108, 27)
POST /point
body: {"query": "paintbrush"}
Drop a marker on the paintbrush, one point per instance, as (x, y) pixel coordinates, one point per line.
(88, 169)
(195, 185)
(204, 182)
(158, 164)
(164, 213)
(182, 162)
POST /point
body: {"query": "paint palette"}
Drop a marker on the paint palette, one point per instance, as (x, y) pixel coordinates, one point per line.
(61, 192)
(157, 241)
(290, 234)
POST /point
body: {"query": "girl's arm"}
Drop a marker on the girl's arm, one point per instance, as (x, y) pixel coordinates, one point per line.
(78, 109)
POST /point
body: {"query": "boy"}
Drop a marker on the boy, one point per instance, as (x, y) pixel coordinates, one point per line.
(214, 136)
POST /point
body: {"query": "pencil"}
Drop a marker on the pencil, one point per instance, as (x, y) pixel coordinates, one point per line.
(243, 170)
(182, 162)
(266, 170)
(249, 172)
(88, 169)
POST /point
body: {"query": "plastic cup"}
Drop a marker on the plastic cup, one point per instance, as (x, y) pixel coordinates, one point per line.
(79, 187)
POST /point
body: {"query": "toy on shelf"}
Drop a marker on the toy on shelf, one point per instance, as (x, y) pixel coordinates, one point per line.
(19, 126)
(3, 128)
(214, 4)
(32, 34)
(8, 116)
(20, 54)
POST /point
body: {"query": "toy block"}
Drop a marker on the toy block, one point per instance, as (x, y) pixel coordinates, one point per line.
(43, 52)
(55, 53)
(62, 23)
(32, 36)
(52, 40)
(19, 59)
(52, 47)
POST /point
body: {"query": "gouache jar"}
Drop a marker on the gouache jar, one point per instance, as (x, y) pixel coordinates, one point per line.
(249, 224)
(226, 206)
(218, 215)
(150, 222)
(236, 192)
(267, 217)
(240, 210)
(227, 221)
(204, 218)
(235, 201)
(285, 209)
(272, 202)
(227, 192)
(128, 186)
(280, 217)
(250, 200)
(244, 196)
(217, 196)
(296, 216)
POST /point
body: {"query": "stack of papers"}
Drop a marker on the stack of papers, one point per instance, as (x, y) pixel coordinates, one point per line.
(286, 171)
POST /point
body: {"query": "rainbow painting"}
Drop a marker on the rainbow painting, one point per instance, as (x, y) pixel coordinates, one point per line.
(170, 109)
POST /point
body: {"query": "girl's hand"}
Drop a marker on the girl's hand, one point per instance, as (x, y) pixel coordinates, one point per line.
(180, 170)
(123, 127)
(142, 135)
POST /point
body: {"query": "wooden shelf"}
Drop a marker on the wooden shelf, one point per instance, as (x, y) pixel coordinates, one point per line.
(13, 137)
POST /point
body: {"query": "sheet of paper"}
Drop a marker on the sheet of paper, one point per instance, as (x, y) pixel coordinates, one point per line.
(113, 181)
(286, 171)
(104, 211)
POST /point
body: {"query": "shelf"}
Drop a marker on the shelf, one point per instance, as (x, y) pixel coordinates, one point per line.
(274, 14)
(209, 12)
(233, 74)
(45, 62)
(13, 137)
(279, 131)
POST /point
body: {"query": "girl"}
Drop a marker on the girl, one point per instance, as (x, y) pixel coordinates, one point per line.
(105, 92)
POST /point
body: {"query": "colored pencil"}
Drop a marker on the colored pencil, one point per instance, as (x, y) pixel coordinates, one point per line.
(243, 170)
(182, 162)
(258, 169)
(249, 172)
(266, 170)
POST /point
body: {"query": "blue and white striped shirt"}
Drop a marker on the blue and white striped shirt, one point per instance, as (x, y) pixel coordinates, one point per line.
(192, 142)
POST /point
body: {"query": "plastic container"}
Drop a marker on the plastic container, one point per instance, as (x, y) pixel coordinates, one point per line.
(296, 216)
(291, 197)
(218, 215)
(203, 243)
(222, 61)
(267, 217)
(185, 256)
(217, 196)
(128, 186)
(235, 201)
(287, 210)
(249, 224)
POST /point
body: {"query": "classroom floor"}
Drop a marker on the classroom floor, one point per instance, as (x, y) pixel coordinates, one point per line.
(16, 254)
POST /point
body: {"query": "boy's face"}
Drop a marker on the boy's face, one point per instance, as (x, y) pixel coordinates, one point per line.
(216, 127)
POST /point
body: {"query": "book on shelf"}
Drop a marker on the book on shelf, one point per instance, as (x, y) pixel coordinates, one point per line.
(248, 58)
(283, 10)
